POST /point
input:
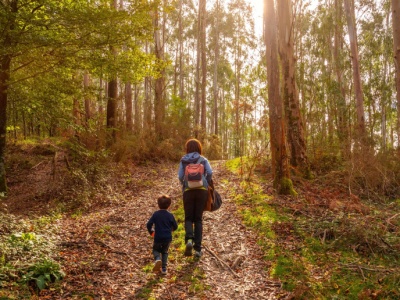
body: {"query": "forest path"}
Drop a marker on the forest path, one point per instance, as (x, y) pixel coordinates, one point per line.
(107, 254)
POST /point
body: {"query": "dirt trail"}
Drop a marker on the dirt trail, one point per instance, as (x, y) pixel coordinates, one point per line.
(107, 254)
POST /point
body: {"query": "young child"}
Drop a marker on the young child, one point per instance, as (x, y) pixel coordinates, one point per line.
(164, 223)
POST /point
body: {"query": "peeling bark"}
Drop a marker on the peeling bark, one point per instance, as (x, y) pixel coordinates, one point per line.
(295, 133)
(280, 162)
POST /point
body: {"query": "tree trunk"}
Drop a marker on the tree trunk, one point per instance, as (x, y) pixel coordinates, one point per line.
(296, 138)
(385, 95)
(147, 105)
(137, 111)
(159, 95)
(280, 164)
(112, 96)
(215, 83)
(342, 130)
(101, 106)
(197, 78)
(87, 98)
(5, 69)
(112, 108)
(203, 64)
(350, 16)
(5, 64)
(396, 52)
(128, 107)
(238, 68)
(181, 73)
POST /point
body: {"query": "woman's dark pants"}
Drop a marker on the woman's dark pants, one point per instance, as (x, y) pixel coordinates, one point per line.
(193, 204)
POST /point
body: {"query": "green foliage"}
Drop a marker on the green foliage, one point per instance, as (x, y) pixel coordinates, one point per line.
(71, 38)
(23, 240)
(179, 234)
(88, 166)
(43, 273)
(234, 164)
(27, 256)
(289, 271)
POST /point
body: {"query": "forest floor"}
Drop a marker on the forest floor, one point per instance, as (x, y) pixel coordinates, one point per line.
(104, 248)
(106, 251)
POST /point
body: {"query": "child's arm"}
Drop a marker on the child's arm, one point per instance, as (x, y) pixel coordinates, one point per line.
(174, 224)
(149, 226)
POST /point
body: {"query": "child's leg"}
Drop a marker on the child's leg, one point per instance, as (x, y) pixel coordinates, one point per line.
(165, 255)
(157, 249)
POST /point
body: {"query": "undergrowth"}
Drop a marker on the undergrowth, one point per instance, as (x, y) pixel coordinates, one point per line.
(27, 255)
(324, 252)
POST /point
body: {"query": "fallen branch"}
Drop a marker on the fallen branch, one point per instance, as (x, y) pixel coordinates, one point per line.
(388, 220)
(355, 266)
(221, 261)
(362, 273)
(35, 166)
(78, 244)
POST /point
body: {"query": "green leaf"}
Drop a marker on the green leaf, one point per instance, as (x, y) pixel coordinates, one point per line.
(41, 282)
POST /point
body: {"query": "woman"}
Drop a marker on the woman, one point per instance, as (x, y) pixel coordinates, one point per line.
(194, 199)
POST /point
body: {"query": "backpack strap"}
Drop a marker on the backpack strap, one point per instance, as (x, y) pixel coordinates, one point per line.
(200, 160)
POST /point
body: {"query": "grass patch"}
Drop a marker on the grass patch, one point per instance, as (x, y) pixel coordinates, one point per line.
(324, 254)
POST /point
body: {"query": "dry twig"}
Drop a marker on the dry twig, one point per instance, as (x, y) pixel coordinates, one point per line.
(221, 261)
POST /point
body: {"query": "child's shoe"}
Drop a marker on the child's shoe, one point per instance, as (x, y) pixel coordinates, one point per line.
(164, 271)
(157, 266)
(198, 254)
(189, 247)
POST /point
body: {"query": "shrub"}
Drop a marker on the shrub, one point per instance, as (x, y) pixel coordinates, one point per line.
(42, 273)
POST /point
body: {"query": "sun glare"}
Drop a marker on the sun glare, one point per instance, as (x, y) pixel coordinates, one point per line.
(258, 6)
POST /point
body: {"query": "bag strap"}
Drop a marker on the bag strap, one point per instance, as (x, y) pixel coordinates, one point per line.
(200, 160)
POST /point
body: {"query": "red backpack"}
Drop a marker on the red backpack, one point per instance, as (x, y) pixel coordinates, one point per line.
(194, 174)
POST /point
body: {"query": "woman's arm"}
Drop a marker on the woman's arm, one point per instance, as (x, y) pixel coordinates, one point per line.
(207, 170)
(181, 173)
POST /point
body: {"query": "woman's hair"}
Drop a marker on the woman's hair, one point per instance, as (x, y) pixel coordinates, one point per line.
(164, 202)
(193, 145)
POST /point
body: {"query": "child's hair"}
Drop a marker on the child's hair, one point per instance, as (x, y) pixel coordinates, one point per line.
(164, 202)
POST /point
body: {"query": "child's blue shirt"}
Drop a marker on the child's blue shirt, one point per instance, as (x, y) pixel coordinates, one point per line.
(164, 223)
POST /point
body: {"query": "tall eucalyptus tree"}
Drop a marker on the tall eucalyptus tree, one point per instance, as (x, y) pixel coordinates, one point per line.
(159, 20)
(342, 127)
(358, 91)
(295, 130)
(214, 119)
(112, 92)
(242, 41)
(203, 53)
(396, 52)
(280, 163)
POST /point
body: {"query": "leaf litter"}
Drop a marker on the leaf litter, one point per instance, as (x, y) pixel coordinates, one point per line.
(106, 254)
